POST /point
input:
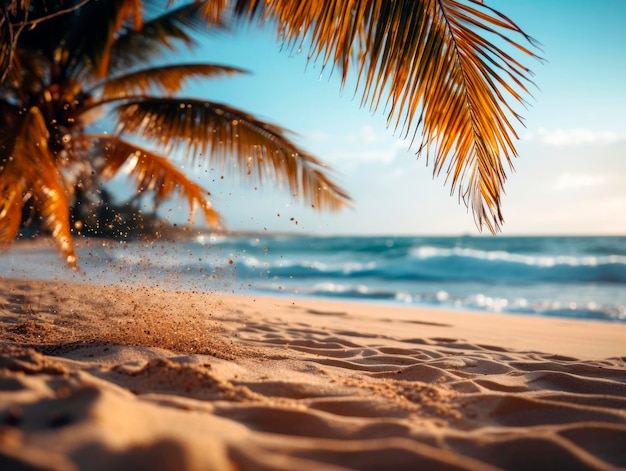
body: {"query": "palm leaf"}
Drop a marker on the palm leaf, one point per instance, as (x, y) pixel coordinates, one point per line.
(152, 172)
(11, 203)
(259, 149)
(159, 35)
(431, 65)
(80, 41)
(30, 68)
(8, 114)
(12, 182)
(33, 169)
(5, 47)
(166, 79)
(212, 10)
(12, 189)
(103, 23)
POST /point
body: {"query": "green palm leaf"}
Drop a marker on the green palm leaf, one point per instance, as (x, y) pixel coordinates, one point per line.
(430, 65)
(152, 172)
(166, 79)
(202, 129)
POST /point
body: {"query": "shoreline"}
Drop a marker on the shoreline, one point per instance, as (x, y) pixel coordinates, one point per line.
(579, 291)
(102, 377)
(503, 329)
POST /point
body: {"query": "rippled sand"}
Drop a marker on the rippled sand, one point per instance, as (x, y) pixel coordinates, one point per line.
(101, 378)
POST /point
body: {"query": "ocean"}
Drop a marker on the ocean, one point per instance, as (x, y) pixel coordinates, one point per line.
(570, 277)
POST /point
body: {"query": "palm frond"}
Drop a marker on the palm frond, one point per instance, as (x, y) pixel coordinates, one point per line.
(213, 10)
(28, 75)
(35, 166)
(157, 36)
(204, 129)
(8, 117)
(428, 61)
(166, 79)
(153, 172)
(81, 39)
(12, 181)
(12, 189)
(10, 209)
(6, 43)
(110, 15)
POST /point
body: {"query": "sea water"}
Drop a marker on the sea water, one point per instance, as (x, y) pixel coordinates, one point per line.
(574, 277)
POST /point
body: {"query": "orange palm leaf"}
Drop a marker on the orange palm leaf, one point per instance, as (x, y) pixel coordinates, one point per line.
(153, 172)
(33, 168)
(166, 79)
(441, 68)
(212, 130)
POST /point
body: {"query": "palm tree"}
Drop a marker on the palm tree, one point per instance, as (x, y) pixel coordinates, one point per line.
(445, 70)
(75, 65)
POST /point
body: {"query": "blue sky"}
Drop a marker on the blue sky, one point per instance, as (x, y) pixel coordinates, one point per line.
(570, 177)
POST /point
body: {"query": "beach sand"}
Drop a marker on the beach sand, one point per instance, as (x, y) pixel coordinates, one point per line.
(102, 378)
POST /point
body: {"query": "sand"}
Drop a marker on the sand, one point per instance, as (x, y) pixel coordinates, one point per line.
(102, 378)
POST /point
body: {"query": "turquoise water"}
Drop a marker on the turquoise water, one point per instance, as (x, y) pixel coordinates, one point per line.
(574, 277)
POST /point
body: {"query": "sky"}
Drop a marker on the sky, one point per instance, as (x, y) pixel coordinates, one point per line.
(569, 178)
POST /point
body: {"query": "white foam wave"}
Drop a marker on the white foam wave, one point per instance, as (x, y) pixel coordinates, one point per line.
(344, 267)
(425, 252)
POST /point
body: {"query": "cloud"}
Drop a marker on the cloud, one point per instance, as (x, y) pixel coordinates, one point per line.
(368, 146)
(366, 135)
(318, 136)
(369, 136)
(365, 156)
(576, 136)
(569, 181)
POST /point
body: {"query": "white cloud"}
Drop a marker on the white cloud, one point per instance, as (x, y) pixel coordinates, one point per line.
(368, 146)
(366, 135)
(318, 136)
(365, 156)
(569, 181)
(575, 136)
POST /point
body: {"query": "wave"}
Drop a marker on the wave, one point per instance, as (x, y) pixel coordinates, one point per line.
(568, 277)
(472, 264)
(445, 300)
(381, 259)
(430, 264)
(425, 252)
